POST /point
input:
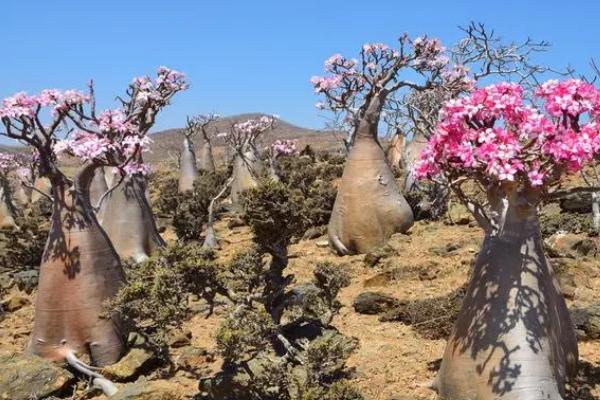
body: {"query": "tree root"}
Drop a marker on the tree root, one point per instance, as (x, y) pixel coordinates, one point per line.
(98, 380)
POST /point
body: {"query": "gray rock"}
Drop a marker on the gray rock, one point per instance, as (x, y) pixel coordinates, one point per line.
(314, 232)
(29, 377)
(152, 390)
(587, 321)
(580, 203)
(235, 222)
(131, 365)
(563, 245)
(27, 281)
(373, 303)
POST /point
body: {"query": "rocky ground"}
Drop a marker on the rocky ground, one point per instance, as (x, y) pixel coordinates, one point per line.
(400, 306)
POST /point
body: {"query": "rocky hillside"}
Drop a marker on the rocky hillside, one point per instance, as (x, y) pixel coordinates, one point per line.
(168, 142)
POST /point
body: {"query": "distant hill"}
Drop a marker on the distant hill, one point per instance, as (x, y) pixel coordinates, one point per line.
(167, 143)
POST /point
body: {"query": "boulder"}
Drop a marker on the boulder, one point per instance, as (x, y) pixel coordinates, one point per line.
(373, 303)
(30, 377)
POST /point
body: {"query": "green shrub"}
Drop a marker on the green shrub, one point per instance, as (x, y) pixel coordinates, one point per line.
(188, 211)
(156, 297)
(22, 248)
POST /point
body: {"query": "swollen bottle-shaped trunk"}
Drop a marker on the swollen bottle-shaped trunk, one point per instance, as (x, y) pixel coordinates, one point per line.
(513, 339)
(246, 168)
(42, 185)
(128, 220)
(410, 156)
(206, 161)
(395, 151)
(369, 206)
(80, 270)
(188, 171)
(98, 188)
(7, 211)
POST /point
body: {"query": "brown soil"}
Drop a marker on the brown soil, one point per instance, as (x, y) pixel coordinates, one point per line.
(394, 360)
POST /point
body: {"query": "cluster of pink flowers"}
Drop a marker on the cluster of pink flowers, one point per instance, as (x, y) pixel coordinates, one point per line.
(375, 47)
(458, 74)
(132, 143)
(573, 97)
(22, 105)
(253, 126)
(167, 80)
(134, 168)
(326, 83)
(85, 145)
(283, 147)
(494, 133)
(115, 121)
(7, 162)
(429, 53)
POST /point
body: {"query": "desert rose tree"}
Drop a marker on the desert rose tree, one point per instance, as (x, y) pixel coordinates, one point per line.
(513, 338)
(247, 164)
(8, 162)
(80, 268)
(188, 166)
(127, 216)
(369, 207)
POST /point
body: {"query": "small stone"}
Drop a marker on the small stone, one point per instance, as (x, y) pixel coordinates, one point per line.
(131, 365)
(314, 232)
(15, 302)
(235, 222)
(373, 303)
(30, 377)
(322, 243)
(371, 259)
(180, 339)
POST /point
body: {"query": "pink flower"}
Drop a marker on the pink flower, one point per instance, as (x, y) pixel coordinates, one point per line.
(492, 132)
(134, 168)
(283, 147)
(19, 105)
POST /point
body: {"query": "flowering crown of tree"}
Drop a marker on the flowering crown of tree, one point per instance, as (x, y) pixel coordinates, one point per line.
(349, 83)
(244, 134)
(494, 135)
(113, 137)
(283, 147)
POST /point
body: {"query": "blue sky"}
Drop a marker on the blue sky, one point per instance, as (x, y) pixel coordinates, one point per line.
(251, 56)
